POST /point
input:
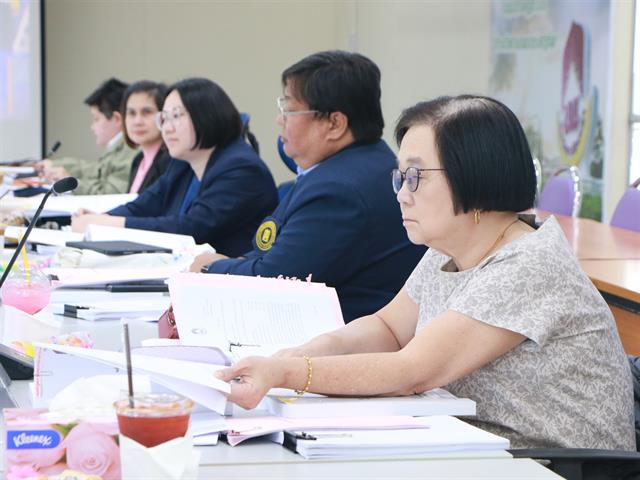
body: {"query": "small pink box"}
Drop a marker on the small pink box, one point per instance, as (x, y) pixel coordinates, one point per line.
(39, 442)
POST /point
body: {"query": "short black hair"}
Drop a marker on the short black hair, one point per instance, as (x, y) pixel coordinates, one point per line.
(482, 148)
(157, 91)
(339, 81)
(107, 98)
(215, 118)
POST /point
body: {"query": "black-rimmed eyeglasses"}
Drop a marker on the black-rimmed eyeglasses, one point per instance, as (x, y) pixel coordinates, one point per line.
(411, 176)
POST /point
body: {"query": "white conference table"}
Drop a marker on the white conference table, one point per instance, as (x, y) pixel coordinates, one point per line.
(262, 459)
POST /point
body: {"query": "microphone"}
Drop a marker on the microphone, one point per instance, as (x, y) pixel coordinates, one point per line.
(66, 184)
(53, 149)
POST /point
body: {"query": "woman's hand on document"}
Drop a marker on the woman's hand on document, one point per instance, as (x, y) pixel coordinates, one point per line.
(251, 378)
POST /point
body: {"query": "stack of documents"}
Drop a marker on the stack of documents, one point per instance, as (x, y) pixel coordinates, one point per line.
(243, 428)
(44, 236)
(114, 309)
(85, 277)
(442, 434)
(93, 203)
(433, 402)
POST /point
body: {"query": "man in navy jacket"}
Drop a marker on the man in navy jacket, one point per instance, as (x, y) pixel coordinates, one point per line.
(340, 222)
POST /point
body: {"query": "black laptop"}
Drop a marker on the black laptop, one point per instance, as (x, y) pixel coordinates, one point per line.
(118, 247)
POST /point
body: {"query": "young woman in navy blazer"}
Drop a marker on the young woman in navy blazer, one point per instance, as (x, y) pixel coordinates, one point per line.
(217, 191)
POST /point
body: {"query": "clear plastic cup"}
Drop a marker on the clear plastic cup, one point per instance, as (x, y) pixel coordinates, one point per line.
(28, 290)
(155, 418)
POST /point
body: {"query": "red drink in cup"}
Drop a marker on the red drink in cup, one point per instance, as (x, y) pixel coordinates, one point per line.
(155, 417)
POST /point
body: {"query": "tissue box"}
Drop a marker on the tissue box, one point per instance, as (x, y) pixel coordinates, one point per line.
(41, 443)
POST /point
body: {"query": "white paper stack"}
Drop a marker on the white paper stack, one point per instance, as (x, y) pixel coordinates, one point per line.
(149, 309)
(93, 203)
(433, 402)
(44, 236)
(83, 277)
(443, 434)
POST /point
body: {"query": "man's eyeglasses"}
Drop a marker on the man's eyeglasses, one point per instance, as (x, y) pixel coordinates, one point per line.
(282, 104)
(172, 117)
(411, 176)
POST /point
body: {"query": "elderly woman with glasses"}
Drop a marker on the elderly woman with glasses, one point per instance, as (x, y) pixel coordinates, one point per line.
(497, 310)
(217, 191)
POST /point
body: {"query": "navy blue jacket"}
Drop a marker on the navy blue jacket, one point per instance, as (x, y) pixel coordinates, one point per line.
(340, 222)
(236, 192)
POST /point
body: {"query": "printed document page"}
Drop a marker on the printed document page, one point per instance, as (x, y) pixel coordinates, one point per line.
(249, 312)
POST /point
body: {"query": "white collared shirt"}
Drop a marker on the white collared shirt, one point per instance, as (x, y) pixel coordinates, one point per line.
(115, 141)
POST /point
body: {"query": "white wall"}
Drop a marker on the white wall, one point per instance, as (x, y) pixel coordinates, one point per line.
(241, 45)
(423, 48)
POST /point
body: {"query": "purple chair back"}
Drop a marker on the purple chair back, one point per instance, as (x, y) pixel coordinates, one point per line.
(561, 193)
(627, 213)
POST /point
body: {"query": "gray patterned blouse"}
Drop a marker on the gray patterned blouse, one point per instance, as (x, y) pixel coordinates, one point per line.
(568, 384)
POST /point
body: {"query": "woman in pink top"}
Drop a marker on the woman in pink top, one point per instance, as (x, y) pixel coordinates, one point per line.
(141, 101)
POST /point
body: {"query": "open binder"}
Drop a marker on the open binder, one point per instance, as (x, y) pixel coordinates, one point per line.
(251, 315)
(189, 371)
(220, 318)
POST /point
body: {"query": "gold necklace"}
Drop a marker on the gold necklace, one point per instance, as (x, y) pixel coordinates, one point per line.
(500, 237)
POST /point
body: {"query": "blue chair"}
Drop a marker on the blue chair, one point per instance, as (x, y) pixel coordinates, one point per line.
(247, 134)
(284, 187)
(288, 161)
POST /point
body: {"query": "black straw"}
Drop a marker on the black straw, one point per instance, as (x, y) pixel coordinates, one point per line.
(127, 351)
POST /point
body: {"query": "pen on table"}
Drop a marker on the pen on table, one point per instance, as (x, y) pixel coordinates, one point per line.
(316, 436)
(122, 288)
(238, 344)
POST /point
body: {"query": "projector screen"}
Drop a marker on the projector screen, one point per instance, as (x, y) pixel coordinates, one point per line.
(21, 115)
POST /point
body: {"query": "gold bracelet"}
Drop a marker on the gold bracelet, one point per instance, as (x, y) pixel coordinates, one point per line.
(309, 376)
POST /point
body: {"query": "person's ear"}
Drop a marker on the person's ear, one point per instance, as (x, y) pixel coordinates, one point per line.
(338, 125)
(117, 117)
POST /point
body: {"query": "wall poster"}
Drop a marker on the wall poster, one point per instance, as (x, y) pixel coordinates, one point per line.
(550, 65)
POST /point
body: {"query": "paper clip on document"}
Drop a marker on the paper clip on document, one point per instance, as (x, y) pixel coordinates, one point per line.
(238, 344)
(72, 310)
(307, 436)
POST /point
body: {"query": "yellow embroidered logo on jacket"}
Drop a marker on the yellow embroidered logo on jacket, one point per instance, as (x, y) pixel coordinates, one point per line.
(266, 235)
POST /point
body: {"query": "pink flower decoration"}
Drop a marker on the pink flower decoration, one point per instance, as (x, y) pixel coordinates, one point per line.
(92, 449)
(18, 472)
(53, 469)
(35, 458)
